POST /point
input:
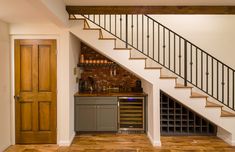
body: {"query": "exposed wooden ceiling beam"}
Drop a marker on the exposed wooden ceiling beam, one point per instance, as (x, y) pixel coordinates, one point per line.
(150, 9)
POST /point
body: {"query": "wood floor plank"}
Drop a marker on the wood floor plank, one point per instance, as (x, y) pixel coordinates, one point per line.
(131, 143)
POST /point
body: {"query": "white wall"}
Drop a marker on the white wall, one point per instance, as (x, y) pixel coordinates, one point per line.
(213, 33)
(148, 88)
(74, 51)
(4, 86)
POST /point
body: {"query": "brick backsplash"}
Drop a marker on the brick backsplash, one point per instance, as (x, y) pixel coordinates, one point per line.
(104, 76)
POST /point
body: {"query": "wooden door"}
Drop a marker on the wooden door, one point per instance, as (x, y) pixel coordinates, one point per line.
(35, 91)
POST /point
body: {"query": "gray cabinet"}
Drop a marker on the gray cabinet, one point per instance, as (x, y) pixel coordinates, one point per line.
(106, 117)
(95, 114)
(86, 116)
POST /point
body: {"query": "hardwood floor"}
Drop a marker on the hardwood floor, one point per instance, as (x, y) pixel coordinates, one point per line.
(131, 143)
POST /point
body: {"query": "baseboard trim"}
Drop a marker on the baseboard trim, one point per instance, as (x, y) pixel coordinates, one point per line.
(154, 143)
(67, 142)
(226, 139)
(5, 147)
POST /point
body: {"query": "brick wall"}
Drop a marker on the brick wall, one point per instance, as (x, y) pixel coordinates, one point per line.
(105, 75)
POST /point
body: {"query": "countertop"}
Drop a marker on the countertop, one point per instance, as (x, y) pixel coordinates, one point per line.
(110, 94)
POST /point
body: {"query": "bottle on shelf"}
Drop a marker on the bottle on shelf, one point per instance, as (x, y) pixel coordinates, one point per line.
(82, 58)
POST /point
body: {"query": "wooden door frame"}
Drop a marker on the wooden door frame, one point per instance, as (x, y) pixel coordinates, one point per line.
(12, 58)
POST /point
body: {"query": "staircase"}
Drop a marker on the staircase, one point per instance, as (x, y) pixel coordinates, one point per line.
(178, 67)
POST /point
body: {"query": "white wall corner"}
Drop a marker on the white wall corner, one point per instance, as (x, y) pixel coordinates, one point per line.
(226, 136)
(156, 143)
(67, 142)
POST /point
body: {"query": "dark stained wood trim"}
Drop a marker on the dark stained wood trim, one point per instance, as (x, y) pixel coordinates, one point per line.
(150, 9)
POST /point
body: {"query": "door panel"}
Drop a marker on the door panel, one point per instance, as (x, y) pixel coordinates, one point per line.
(44, 68)
(26, 116)
(35, 89)
(44, 116)
(26, 68)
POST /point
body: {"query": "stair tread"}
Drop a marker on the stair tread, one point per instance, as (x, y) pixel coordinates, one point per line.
(91, 28)
(105, 38)
(212, 104)
(122, 48)
(167, 77)
(197, 95)
(77, 19)
(137, 58)
(153, 67)
(227, 114)
(178, 85)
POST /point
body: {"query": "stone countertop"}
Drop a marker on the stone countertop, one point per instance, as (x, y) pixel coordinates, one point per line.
(110, 94)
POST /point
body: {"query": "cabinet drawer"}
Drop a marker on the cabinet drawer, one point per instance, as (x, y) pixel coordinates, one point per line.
(96, 100)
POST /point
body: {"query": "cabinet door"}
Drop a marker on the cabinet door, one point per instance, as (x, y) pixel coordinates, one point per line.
(107, 118)
(85, 119)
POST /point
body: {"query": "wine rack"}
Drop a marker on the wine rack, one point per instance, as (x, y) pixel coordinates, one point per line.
(131, 113)
(177, 119)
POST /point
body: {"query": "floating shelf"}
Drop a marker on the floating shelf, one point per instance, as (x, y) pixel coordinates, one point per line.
(96, 64)
(176, 119)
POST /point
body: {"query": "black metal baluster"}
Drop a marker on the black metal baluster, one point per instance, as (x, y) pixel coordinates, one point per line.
(201, 70)
(180, 56)
(164, 46)
(217, 72)
(88, 16)
(148, 36)
(223, 83)
(153, 42)
(158, 42)
(142, 33)
(126, 31)
(94, 17)
(185, 63)
(132, 26)
(196, 66)
(191, 63)
(228, 87)
(212, 76)
(169, 49)
(233, 90)
(174, 54)
(207, 73)
(121, 26)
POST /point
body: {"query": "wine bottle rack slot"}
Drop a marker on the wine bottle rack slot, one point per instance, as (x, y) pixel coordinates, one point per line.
(177, 119)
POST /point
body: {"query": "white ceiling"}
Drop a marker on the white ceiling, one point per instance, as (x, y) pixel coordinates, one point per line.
(148, 2)
(20, 11)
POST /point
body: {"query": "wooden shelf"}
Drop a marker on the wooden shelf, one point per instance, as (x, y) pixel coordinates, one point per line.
(96, 64)
(176, 119)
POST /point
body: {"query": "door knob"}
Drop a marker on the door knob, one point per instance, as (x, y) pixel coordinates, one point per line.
(17, 97)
